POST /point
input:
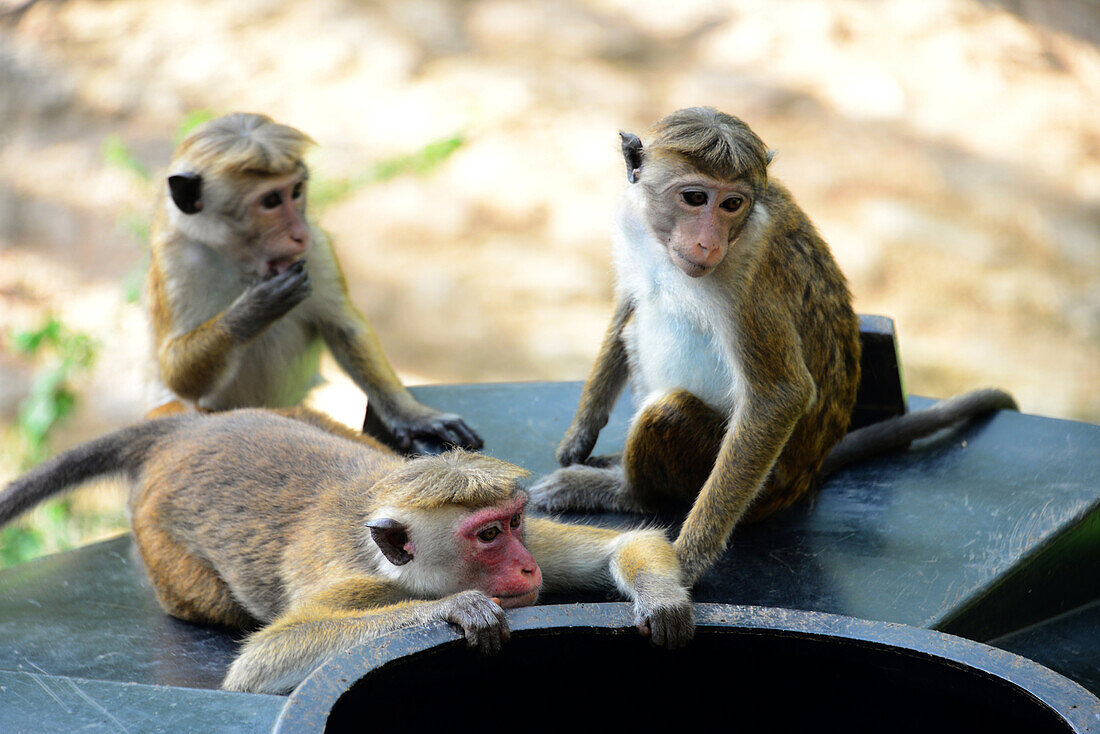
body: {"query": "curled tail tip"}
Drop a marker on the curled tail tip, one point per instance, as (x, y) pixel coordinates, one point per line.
(998, 399)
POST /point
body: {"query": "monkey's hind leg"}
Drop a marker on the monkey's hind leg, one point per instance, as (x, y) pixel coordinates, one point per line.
(671, 450)
(583, 488)
(185, 586)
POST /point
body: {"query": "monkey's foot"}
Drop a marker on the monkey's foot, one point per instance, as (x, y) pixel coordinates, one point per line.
(583, 488)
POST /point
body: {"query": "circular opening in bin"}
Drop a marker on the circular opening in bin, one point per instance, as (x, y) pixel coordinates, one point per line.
(791, 677)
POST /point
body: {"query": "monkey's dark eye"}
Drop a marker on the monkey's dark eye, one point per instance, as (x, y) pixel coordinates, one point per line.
(732, 204)
(488, 534)
(271, 200)
(516, 520)
(298, 189)
(694, 198)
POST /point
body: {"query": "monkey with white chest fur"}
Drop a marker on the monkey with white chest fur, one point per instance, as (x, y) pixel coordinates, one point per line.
(243, 289)
(735, 327)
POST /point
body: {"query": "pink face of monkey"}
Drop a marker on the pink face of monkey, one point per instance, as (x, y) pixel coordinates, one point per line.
(277, 210)
(490, 542)
(697, 217)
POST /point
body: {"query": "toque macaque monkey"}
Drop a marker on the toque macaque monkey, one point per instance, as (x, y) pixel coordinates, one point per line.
(243, 288)
(735, 327)
(324, 538)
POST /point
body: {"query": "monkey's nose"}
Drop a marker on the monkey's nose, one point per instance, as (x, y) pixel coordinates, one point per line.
(711, 254)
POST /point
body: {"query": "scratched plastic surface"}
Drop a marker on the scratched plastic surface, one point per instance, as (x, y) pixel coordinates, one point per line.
(956, 534)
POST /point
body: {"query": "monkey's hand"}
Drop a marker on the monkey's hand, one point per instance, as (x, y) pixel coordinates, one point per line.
(447, 428)
(267, 301)
(663, 612)
(577, 444)
(481, 619)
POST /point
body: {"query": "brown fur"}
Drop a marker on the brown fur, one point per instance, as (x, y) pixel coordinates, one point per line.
(795, 343)
(256, 519)
(235, 324)
(244, 145)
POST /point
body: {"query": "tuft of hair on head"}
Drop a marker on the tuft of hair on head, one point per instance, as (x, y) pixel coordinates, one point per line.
(243, 144)
(456, 477)
(720, 145)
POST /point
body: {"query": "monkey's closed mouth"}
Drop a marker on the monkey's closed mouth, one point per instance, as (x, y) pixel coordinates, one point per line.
(518, 600)
(693, 269)
(280, 265)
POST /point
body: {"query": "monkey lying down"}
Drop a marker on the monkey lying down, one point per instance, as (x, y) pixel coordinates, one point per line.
(323, 538)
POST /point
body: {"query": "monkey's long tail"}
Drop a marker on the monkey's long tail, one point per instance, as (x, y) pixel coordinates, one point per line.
(121, 451)
(897, 433)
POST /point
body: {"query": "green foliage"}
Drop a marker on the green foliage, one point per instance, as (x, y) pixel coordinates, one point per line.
(115, 152)
(51, 527)
(325, 192)
(65, 354)
(191, 121)
(51, 398)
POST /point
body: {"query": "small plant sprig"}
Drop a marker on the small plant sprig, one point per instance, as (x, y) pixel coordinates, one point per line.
(50, 401)
(51, 398)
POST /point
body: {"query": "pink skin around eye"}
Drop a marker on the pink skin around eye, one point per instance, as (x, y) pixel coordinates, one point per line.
(502, 567)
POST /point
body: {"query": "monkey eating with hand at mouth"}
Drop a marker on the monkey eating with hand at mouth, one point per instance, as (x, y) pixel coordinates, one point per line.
(243, 288)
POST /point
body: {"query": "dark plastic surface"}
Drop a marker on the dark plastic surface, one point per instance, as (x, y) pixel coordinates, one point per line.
(797, 671)
(881, 392)
(1066, 644)
(34, 702)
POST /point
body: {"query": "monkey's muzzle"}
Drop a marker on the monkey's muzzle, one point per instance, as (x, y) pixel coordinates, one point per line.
(518, 600)
(280, 265)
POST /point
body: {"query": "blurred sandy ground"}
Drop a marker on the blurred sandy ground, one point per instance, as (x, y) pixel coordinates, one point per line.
(949, 151)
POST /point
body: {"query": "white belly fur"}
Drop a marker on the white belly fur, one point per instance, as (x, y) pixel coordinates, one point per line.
(681, 335)
(669, 350)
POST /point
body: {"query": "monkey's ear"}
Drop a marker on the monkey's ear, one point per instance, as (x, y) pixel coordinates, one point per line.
(770, 156)
(186, 191)
(390, 536)
(632, 153)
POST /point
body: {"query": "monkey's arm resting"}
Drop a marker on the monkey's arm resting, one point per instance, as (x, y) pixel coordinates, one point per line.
(602, 388)
(753, 441)
(641, 563)
(281, 655)
(359, 353)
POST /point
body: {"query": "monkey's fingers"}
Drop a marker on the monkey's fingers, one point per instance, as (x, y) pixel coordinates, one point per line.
(576, 446)
(269, 300)
(668, 626)
(293, 284)
(403, 437)
(461, 434)
(448, 428)
(481, 619)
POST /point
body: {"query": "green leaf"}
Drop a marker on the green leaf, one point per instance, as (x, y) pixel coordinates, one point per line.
(326, 192)
(117, 153)
(191, 121)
